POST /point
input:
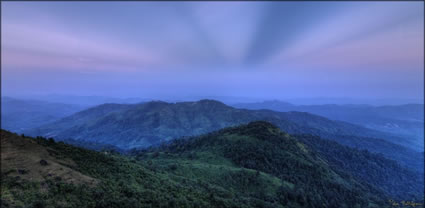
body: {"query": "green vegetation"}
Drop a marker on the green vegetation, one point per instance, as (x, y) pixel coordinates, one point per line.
(123, 182)
(142, 125)
(405, 121)
(254, 165)
(301, 177)
(370, 169)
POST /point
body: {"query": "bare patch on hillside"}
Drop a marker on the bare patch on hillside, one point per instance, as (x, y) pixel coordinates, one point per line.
(25, 158)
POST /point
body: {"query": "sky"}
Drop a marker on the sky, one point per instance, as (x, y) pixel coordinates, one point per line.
(270, 50)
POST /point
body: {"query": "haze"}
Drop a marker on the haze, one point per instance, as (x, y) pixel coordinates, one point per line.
(270, 50)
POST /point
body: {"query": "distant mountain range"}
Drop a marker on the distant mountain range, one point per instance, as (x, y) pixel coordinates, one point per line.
(401, 120)
(252, 165)
(87, 101)
(350, 101)
(142, 125)
(404, 121)
(146, 124)
(18, 115)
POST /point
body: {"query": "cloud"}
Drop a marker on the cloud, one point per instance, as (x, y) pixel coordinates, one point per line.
(281, 24)
(229, 26)
(359, 22)
(248, 47)
(26, 44)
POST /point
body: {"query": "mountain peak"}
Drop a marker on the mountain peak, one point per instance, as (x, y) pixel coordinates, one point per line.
(207, 104)
(155, 103)
(262, 125)
(209, 101)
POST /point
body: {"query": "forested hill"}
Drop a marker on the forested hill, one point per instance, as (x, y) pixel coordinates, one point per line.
(141, 125)
(403, 120)
(253, 165)
(306, 161)
(215, 174)
(374, 169)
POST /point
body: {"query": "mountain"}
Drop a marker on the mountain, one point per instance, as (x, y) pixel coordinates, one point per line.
(374, 169)
(74, 177)
(18, 115)
(142, 125)
(88, 101)
(253, 165)
(405, 121)
(304, 160)
(356, 101)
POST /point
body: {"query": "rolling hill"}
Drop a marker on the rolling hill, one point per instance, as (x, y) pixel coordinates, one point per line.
(298, 160)
(142, 125)
(119, 181)
(253, 165)
(402, 120)
(18, 115)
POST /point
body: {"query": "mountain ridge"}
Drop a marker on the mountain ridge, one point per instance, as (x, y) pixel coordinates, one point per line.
(19, 115)
(261, 146)
(405, 121)
(141, 125)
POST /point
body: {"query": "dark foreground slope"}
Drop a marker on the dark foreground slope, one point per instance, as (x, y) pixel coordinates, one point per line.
(120, 182)
(253, 165)
(143, 125)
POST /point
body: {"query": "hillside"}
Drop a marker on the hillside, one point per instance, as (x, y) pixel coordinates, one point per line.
(402, 120)
(120, 181)
(262, 147)
(24, 158)
(142, 125)
(254, 165)
(18, 115)
(154, 122)
(374, 169)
